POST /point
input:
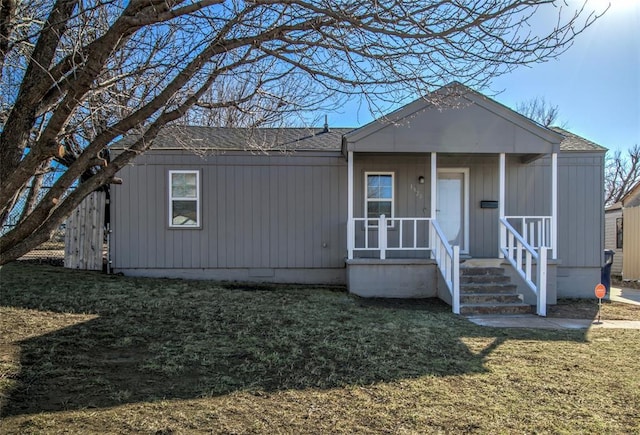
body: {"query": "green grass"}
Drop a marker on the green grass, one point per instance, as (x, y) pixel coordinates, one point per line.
(83, 352)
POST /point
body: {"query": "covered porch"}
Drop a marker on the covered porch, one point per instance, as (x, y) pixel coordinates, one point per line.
(477, 181)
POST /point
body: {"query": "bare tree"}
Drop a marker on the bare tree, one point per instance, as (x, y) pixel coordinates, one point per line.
(539, 110)
(79, 75)
(621, 174)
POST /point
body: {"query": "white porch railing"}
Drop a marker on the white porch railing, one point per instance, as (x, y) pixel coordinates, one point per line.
(410, 234)
(405, 230)
(522, 256)
(535, 230)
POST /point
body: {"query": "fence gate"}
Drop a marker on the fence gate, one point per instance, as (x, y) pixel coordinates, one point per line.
(84, 236)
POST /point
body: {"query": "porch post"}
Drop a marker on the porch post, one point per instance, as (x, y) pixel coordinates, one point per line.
(350, 226)
(554, 205)
(434, 184)
(434, 192)
(501, 199)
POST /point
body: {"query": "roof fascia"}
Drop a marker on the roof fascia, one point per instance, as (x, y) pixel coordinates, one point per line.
(631, 194)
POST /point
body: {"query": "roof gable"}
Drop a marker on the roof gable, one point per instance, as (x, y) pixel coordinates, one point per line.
(454, 119)
(632, 198)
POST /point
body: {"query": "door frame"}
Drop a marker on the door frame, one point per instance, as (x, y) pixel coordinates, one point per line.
(465, 202)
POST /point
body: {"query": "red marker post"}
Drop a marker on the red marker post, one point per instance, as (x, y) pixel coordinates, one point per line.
(600, 292)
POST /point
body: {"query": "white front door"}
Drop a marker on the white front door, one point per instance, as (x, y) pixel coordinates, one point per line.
(452, 205)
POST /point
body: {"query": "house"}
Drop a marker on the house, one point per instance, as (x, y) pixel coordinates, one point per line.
(631, 234)
(439, 198)
(622, 235)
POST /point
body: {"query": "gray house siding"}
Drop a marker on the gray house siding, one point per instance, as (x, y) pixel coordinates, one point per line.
(581, 224)
(580, 213)
(467, 124)
(259, 214)
(580, 216)
(282, 217)
(528, 190)
(483, 185)
(414, 199)
(411, 199)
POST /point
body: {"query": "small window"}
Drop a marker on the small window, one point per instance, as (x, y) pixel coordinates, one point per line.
(379, 196)
(184, 199)
(619, 233)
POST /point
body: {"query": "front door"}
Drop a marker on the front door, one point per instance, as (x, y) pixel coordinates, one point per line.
(452, 205)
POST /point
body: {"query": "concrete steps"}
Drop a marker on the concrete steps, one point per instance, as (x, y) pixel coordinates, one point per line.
(487, 290)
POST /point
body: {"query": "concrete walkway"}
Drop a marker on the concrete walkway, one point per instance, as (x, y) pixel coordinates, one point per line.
(624, 295)
(537, 322)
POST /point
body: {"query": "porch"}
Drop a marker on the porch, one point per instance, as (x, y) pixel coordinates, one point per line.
(461, 177)
(418, 261)
(464, 200)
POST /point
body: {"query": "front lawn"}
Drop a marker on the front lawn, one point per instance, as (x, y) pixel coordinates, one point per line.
(83, 352)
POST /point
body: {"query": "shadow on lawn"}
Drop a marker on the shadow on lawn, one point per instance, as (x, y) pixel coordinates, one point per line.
(167, 339)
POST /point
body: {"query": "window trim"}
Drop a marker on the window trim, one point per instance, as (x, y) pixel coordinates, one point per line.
(390, 224)
(197, 199)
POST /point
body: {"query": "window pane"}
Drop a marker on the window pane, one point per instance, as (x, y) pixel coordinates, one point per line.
(619, 233)
(372, 210)
(184, 213)
(379, 186)
(385, 208)
(385, 180)
(183, 185)
(375, 209)
(373, 189)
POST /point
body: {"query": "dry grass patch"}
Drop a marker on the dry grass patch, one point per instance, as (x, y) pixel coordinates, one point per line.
(86, 353)
(588, 309)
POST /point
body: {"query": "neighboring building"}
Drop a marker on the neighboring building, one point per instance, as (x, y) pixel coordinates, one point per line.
(458, 182)
(613, 236)
(622, 235)
(631, 234)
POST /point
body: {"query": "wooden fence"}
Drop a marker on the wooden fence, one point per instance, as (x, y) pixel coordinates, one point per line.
(631, 243)
(84, 237)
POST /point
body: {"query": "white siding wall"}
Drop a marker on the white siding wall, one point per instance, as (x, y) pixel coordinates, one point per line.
(610, 239)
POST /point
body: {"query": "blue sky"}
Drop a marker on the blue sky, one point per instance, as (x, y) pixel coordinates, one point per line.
(595, 84)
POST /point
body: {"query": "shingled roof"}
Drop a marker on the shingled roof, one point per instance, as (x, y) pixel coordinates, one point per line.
(246, 139)
(287, 139)
(573, 142)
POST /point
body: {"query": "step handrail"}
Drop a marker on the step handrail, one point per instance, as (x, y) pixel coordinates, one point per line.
(447, 258)
(513, 246)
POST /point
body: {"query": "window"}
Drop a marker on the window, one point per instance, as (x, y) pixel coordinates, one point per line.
(184, 199)
(619, 233)
(379, 196)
